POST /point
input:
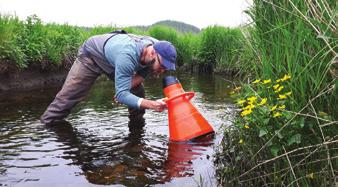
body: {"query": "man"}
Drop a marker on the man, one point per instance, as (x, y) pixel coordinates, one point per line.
(125, 58)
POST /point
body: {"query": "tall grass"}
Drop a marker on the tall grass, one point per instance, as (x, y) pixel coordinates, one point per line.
(221, 47)
(171, 35)
(287, 130)
(67, 39)
(293, 40)
(10, 52)
(189, 45)
(32, 43)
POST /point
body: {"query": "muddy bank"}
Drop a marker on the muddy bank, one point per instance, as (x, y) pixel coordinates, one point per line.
(30, 79)
(205, 68)
(35, 78)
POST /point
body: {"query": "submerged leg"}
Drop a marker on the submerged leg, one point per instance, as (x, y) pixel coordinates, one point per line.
(79, 80)
(136, 119)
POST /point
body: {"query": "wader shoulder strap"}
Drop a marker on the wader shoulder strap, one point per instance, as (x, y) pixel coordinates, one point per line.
(119, 32)
(134, 37)
(114, 33)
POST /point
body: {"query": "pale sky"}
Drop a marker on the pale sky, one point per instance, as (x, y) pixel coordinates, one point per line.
(122, 13)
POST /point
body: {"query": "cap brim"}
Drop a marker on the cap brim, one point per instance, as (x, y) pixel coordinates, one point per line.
(168, 65)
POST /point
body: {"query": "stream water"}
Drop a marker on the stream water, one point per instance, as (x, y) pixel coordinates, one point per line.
(96, 147)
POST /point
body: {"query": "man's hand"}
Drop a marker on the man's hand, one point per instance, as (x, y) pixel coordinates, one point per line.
(162, 105)
(158, 105)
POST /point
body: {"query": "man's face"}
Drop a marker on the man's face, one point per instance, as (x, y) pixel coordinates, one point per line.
(156, 60)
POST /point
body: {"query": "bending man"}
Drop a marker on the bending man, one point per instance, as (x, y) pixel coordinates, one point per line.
(126, 59)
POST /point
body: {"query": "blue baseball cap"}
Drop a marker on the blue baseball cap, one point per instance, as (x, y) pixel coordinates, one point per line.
(168, 53)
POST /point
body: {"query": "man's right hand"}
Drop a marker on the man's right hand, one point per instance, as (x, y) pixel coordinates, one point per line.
(158, 105)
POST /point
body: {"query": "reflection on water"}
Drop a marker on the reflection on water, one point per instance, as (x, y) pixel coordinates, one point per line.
(181, 155)
(95, 145)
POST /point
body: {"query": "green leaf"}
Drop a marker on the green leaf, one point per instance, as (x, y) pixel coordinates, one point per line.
(269, 144)
(274, 150)
(279, 135)
(301, 122)
(287, 115)
(294, 139)
(238, 158)
(309, 125)
(262, 132)
(266, 121)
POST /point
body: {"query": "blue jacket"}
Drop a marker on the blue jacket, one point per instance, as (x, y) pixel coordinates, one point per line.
(120, 55)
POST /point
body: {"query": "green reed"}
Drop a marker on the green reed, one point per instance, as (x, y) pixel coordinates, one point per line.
(221, 47)
(10, 52)
(29, 42)
(286, 131)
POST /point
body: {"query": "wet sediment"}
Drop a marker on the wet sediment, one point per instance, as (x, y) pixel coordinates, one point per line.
(26, 80)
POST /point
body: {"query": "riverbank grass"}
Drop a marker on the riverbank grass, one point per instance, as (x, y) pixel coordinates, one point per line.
(285, 133)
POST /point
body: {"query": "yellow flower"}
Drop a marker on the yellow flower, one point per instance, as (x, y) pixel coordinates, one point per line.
(241, 102)
(237, 88)
(256, 81)
(279, 89)
(267, 81)
(249, 107)
(246, 126)
(276, 86)
(322, 114)
(281, 96)
(278, 80)
(241, 141)
(246, 112)
(252, 99)
(274, 108)
(277, 114)
(310, 176)
(286, 77)
(264, 100)
(288, 93)
(281, 107)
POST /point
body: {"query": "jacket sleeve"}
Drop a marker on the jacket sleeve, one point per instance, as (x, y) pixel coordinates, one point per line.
(124, 71)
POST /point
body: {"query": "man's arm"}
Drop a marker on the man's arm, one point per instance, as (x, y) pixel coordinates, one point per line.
(124, 81)
(158, 105)
(137, 80)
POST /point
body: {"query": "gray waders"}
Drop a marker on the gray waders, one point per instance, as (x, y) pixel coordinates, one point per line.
(79, 80)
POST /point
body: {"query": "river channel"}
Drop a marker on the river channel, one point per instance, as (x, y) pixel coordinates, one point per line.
(97, 148)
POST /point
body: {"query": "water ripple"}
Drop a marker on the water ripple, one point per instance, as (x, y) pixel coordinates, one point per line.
(97, 146)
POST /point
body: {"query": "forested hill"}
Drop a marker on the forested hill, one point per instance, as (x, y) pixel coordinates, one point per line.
(179, 26)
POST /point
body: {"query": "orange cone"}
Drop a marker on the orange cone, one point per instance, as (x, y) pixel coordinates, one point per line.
(185, 122)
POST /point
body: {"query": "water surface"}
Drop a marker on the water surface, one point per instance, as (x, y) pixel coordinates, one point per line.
(97, 147)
